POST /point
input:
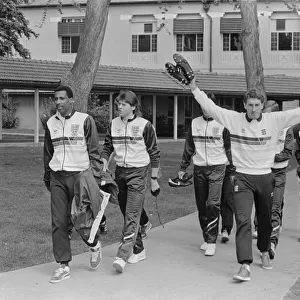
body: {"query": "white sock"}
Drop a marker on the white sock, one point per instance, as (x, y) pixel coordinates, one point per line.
(247, 267)
(96, 247)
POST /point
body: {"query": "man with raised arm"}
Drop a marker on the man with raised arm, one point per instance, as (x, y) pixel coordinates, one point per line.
(253, 145)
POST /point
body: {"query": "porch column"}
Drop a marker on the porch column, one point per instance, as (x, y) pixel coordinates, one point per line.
(111, 106)
(175, 116)
(36, 115)
(233, 103)
(154, 112)
(1, 102)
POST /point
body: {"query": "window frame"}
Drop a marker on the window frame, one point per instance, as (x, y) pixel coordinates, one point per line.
(70, 44)
(180, 44)
(295, 42)
(136, 43)
(227, 42)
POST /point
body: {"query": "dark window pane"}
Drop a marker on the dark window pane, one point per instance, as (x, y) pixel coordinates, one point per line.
(65, 44)
(199, 42)
(148, 27)
(235, 42)
(144, 43)
(285, 41)
(154, 43)
(179, 42)
(189, 42)
(296, 41)
(74, 44)
(273, 41)
(134, 43)
(226, 42)
(280, 24)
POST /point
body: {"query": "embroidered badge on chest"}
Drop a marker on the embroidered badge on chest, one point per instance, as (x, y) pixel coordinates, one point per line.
(74, 129)
(216, 131)
(74, 133)
(135, 130)
(264, 131)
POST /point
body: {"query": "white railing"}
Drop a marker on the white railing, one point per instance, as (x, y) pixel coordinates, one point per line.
(284, 57)
(143, 58)
(194, 58)
(231, 58)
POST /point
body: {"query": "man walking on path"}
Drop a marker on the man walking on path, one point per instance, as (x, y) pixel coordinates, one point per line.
(207, 143)
(253, 146)
(285, 145)
(70, 147)
(133, 139)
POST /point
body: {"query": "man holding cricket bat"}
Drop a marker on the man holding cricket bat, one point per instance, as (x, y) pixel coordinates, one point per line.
(70, 147)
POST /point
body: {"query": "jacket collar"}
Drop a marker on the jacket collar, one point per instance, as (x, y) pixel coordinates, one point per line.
(130, 120)
(59, 117)
(258, 119)
(207, 119)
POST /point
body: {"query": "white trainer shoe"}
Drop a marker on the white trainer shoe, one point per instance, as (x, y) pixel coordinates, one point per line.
(203, 247)
(211, 249)
(135, 258)
(119, 264)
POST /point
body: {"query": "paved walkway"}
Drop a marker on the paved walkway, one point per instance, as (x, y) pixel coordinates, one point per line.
(175, 268)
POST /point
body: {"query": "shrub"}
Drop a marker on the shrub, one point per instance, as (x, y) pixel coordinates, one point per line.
(99, 110)
(47, 110)
(9, 109)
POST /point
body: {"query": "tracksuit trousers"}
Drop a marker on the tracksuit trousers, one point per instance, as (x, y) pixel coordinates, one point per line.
(132, 183)
(248, 189)
(278, 193)
(62, 193)
(227, 209)
(208, 181)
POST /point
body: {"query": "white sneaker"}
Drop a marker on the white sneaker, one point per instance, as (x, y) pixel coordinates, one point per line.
(60, 274)
(119, 264)
(224, 236)
(254, 234)
(135, 258)
(203, 247)
(211, 250)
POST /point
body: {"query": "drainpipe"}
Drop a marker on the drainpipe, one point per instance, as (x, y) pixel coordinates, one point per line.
(206, 7)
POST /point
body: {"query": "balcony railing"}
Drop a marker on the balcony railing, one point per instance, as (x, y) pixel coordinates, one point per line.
(232, 58)
(284, 58)
(143, 58)
(194, 58)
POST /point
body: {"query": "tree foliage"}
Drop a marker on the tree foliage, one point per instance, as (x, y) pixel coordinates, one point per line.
(13, 26)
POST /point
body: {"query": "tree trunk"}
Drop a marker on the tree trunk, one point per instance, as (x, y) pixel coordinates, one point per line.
(81, 77)
(251, 48)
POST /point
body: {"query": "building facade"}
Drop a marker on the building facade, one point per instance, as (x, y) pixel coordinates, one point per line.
(145, 34)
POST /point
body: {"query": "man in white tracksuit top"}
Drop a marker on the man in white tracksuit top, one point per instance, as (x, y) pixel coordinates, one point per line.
(253, 145)
(207, 144)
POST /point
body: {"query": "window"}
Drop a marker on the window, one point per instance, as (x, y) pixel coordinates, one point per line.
(189, 42)
(148, 28)
(144, 43)
(285, 41)
(232, 42)
(69, 44)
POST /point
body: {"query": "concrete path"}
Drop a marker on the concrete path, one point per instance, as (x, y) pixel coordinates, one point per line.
(175, 268)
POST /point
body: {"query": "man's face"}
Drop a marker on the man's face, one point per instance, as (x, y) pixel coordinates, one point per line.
(125, 109)
(63, 103)
(254, 108)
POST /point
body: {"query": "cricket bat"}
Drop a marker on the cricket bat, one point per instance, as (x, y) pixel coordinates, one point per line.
(99, 216)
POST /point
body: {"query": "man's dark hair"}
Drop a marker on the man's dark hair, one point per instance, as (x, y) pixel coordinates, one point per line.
(130, 98)
(65, 88)
(253, 94)
(212, 97)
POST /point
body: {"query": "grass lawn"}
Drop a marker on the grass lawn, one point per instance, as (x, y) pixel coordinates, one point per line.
(25, 235)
